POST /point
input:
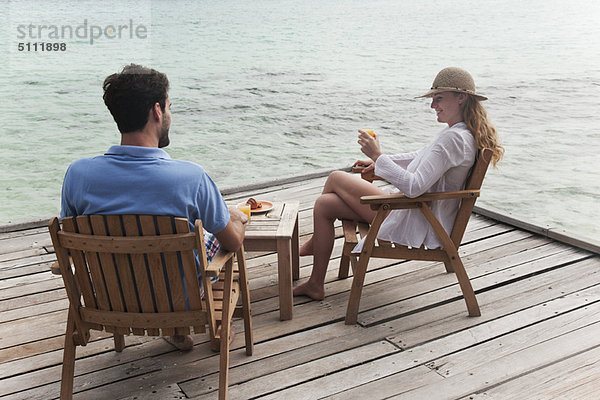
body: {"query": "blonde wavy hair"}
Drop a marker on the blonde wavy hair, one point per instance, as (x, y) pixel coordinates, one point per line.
(486, 136)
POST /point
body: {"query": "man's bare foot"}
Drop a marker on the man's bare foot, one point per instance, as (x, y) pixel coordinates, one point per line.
(182, 342)
(315, 292)
(307, 248)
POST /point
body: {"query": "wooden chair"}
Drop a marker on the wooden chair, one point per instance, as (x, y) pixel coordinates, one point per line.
(447, 254)
(136, 274)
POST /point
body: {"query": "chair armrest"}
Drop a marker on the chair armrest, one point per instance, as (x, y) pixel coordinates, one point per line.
(218, 262)
(408, 202)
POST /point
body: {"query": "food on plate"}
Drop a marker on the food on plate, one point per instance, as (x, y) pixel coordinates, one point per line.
(254, 205)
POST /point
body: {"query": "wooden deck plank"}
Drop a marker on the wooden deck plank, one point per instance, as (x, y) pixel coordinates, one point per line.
(26, 242)
(386, 382)
(442, 287)
(26, 261)
(33, 311)
(462, 322)
(332, 298)
(382, 388)
(515, 341)
(27, 280)
(322, 313)
(32, 328)
(508, 367)
(277, 383)
(25, 270)
(42, 228)
(262, 362)
(119, 372)
(140, 352)
(17, 255)
(539, 300)
(429, 324)
(28, 299)
(566, 379)
(385, 377)
(296, 350)
(17, 287)
(47, 353)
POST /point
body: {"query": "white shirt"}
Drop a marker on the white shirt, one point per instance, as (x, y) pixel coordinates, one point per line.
(442, 166)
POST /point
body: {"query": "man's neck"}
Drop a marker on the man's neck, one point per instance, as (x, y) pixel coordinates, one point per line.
(139, 138)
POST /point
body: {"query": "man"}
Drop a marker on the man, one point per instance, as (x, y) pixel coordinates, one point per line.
(138, 177)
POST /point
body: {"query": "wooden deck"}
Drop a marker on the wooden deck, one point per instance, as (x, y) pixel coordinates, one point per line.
(538, 336)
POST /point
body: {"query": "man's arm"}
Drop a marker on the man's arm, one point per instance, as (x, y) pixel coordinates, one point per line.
(232, 236)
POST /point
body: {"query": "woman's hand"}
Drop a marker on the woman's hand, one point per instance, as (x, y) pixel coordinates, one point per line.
(368, 173)
(362, 163)
(369, 145)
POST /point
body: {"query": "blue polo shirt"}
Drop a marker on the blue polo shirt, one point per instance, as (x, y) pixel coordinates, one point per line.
(143, 180)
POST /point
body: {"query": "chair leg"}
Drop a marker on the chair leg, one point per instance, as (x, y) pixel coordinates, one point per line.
(449, 267)
(224, 360)
(224, 335)
(349, 228)
(247, 315)
(284, 272)
(453, 262)
(296, 252)
(119, 342)
(465, 286)
(346, 260)
(353, 263)
(363, 261)
(344, 264)
(356, 291)
(68, 368)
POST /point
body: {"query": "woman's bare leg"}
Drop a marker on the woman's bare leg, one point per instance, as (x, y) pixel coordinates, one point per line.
(340, 200)
(349, 188)
(307, 248)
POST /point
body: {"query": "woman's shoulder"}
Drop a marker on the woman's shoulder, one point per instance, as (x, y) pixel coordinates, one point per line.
(458, 128)
(457, 132)
(458, 137)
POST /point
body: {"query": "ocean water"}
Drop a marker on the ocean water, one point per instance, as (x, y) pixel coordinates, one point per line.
(267, 89)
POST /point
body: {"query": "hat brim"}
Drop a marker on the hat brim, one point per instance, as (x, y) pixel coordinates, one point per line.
(433, 92)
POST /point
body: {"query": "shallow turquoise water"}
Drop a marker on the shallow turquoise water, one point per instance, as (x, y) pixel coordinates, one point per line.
(284, 85)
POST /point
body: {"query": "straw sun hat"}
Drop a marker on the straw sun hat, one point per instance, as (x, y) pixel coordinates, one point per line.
(453, 79)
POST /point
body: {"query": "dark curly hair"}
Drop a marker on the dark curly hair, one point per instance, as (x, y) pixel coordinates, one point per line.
(131, 93)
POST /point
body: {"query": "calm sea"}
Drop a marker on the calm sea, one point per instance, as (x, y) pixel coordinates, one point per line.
(266, 89)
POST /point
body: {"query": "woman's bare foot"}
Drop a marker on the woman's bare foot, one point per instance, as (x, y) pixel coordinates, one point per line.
(307, 248)
(314, 291)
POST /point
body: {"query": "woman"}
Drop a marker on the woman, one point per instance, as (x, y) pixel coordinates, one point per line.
(441, 166)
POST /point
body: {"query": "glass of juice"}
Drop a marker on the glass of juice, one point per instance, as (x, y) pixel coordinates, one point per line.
(245, 208)
(370, 132)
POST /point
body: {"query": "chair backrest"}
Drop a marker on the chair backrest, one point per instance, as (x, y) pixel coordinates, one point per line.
(133, 273)
(474, 182)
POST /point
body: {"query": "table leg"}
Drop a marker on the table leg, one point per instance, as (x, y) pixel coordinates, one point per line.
(296, 252)
(284, 265)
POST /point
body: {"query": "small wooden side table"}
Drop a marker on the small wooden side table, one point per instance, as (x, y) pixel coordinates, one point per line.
(277, 230)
